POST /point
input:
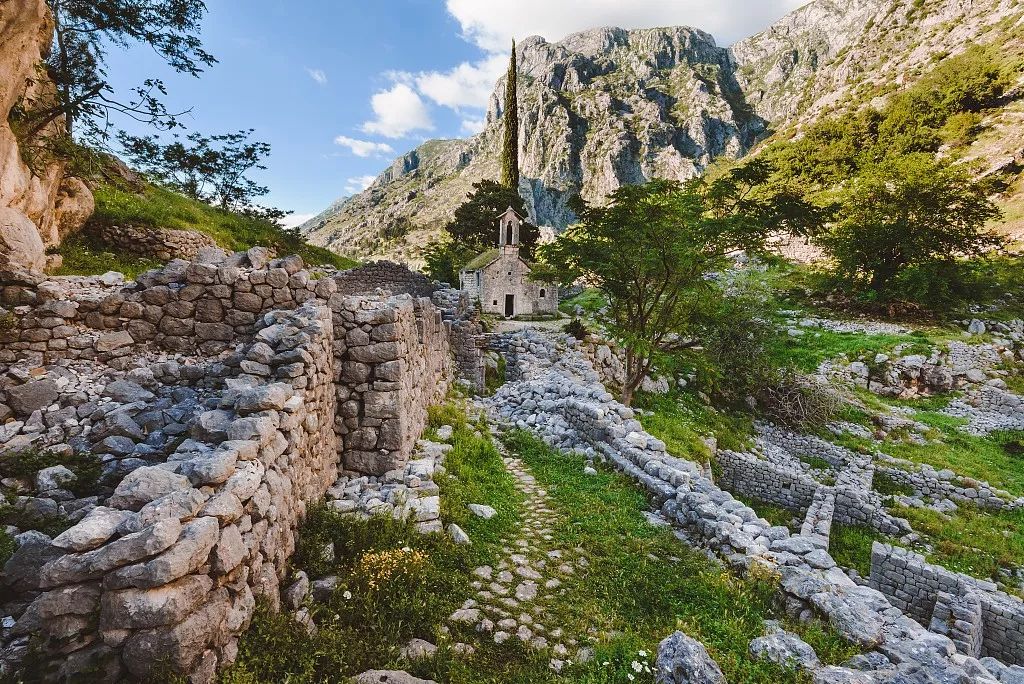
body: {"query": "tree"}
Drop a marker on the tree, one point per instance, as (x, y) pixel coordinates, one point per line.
(510, 142)
(652, 250)
(211, 169)
(84, 31)
(909, 212)
(475, 223)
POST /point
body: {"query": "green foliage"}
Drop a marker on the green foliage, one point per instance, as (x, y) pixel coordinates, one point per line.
(25, 463)
(911, 212)
(84, 32)
(85, 255)
(162, 208)
(211, 169)
(7, 547)
(885, 485)
(683, 422)
(850, 546)
(510, 127)
(495, 378)
(648, 251)
(577, 329)
(444, 258)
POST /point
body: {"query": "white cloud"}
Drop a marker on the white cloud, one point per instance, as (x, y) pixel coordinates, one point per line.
(467, 85)
(491, 24)
(472, 126)
(358, 184)
(292, 220)
(399, 111)
(318, 75)
(364, 148)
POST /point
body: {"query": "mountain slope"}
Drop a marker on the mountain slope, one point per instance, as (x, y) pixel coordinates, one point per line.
(608, 107)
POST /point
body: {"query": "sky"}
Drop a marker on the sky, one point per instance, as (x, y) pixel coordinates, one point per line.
(339, 88)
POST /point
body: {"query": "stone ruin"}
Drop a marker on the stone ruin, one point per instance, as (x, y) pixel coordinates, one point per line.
(916, 621)
(220, 397)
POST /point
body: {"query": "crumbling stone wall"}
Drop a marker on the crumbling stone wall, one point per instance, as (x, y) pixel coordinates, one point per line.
(309, 382)
(930, 593)
(388, 275)
(170, 567)
(154, 243)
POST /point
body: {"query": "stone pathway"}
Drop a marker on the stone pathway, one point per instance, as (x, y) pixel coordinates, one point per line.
(513, 598)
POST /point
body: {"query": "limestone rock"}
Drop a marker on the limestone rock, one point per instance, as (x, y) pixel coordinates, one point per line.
(21, 246)
(146, 484)
(99, 525)
(389, 677)
(683, 660)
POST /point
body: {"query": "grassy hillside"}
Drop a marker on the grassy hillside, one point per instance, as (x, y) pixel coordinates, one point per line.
(161, 208)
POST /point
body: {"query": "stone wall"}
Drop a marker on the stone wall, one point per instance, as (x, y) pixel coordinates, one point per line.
(300, 383)
(388, 275)
(930, 593)
(170, 567)
(154, 243)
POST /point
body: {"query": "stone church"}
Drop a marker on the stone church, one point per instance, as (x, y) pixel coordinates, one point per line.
(499, 278)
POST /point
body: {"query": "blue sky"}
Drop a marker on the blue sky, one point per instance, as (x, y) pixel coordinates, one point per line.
(339, 88)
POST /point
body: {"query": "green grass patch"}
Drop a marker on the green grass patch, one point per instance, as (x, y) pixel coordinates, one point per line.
(850, 546)
(161, 208)
(682, 421)
(885, 485)
(590, 300)
(971, 541)
(776, 515)
(84, 255)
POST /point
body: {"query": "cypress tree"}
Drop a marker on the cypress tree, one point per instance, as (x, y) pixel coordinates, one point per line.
(510, 148)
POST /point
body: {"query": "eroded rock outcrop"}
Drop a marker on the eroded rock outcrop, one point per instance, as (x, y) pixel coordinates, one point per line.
(40, 202)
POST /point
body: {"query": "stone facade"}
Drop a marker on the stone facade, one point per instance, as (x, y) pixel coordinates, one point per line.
(500, 281)
(154, 243)
(264, 388)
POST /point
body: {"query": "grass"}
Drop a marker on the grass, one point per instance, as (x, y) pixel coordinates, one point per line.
(161, 208)
(850, 546)
(971, 541)
(590, 300)
(640, 585)
(682, 421)
(776, 515)
(84, 255)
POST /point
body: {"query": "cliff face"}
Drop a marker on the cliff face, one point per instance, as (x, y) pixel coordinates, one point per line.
(39, 202)
(608, 107)
(598, 110)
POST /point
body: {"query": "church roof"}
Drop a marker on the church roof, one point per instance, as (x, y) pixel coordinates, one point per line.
(482, 259)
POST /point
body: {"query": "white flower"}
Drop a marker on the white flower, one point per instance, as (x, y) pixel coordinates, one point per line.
(406, 549)
(347, 595)
(604, 664)
(637, 667)
(630, 677)
(642, 654)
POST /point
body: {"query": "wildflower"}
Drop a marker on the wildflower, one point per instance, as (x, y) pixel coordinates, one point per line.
(347, 595)
(637, 667)
(642, 654)
(630, 677)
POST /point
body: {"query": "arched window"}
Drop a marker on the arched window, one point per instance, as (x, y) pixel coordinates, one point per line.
(508, 234)
(542, 293)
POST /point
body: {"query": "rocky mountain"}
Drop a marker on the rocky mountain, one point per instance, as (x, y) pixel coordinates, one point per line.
(40, 201)
(608, 107)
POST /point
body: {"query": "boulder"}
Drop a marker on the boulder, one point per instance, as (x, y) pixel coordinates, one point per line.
(785, 649)
(21, 246)
(389, 677)
(26, 399)
(146, 484)
(92, 531)
(54, 477)
(482, 511)
(683, 660)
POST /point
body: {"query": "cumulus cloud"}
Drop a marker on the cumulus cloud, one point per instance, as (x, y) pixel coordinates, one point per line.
(318, 75)
(293, 220)
(467, 85)
(491, 24)
(358, 184)
(364, 148)
(399, 111)
(471, 126)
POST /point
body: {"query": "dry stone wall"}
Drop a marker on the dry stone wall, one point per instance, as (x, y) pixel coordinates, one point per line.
(296, 386)
(154, 243)
(980, 619)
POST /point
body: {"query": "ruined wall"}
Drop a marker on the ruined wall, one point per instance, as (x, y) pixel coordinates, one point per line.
(302, 382)
(748, 476)
(915, 586)
(388, 275)
(154, 243)
(170, 567)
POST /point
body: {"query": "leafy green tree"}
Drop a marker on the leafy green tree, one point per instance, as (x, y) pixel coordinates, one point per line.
(510, 119)
(910, 212)
(444, 258)
(475, 223)
(84, 32)
(211, 169)
(651, 251)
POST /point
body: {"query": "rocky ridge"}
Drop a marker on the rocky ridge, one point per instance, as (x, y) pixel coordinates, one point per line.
(607, 107)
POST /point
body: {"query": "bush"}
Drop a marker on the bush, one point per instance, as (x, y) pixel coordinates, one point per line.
(801, 401)
(577, 329)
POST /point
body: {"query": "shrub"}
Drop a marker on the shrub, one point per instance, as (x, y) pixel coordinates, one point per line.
(801, 401)
(577, 329)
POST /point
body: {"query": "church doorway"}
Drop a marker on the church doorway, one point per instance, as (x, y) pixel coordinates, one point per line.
(510, 305)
